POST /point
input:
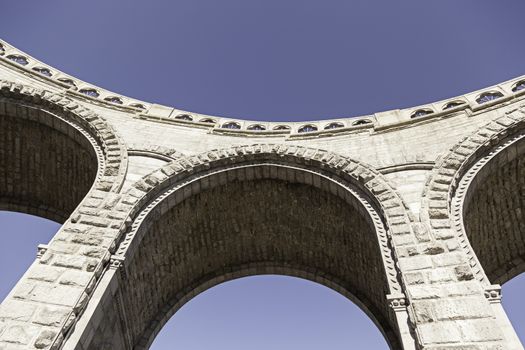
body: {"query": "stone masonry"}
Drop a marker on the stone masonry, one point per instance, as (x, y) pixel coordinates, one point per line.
(415, 215)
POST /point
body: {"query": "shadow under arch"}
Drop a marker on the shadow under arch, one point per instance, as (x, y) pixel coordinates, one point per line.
(492, 201)
(317, 212)
(53, 152)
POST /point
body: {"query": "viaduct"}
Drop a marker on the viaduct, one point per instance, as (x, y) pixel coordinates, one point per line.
(416, 215)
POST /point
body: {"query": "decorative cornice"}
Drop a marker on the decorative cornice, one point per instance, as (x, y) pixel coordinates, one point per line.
(471, 103)
(493, 294)
(397, 302)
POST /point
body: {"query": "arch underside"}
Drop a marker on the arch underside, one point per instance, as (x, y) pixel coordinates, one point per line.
(247, 227)
(494, 214)
(47, 165)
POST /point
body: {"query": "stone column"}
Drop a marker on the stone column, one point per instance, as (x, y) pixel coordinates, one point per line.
(447, 304)
(49, 299)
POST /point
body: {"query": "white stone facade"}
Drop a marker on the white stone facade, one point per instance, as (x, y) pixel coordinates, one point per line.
(415, 215)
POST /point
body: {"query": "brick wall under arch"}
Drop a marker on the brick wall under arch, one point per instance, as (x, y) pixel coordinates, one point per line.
(47, 164)
(494, 210)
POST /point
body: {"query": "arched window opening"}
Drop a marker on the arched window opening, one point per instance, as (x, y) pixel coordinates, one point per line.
(231, 125)
(519, 86)
(453, 104)
(208, 120)
(114, 99)
(43, 71)
(2, 50)
(137, 105)
(361, 122)
(67, 81)
(333, 126)
(269, 312)
(488, 96)
(18, 59)
(281, 127)
(307, 128)
(186, 117)
(21, 235)
(257, 127)
(90, 92)
(421, 113)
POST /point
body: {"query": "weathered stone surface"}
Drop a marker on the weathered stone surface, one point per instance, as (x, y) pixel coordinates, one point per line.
(19, 334)
(17, 310)
(51, 316)
(373, 211)
(45, 339)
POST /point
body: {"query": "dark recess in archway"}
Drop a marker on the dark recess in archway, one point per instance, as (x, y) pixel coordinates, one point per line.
(494, 214)
(47, 166)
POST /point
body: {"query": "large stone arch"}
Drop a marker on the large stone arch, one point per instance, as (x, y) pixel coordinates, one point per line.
(61, 161)
(53, 153)
(461, 172)
(190, 192)
(475, 199)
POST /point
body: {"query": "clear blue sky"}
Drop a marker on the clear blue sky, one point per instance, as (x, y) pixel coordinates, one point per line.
(269, 60)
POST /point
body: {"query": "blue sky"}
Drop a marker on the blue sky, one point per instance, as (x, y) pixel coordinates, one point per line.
(268, 60)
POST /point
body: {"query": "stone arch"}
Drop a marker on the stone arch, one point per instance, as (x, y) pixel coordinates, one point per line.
(54, 152)
(457, 180)
(73, 128)
(342, 183)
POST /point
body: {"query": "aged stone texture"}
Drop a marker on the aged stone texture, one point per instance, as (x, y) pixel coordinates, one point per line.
(415, 219)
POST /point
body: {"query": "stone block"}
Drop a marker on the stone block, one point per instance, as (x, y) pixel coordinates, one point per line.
(87, 239)
(441, 275)
(479, 330)
(41, 272)
(76, 278)
(415, 263)
(45, 339)
(448, 259)
(463, 273)
(462, 308)
(55, 294)
(424, 292)
(51, 316)
(439, 332)
(414, 278)
(69, 261)
(21, 334)
(17, 310)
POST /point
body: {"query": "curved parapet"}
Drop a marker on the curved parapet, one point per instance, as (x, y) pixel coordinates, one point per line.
(472, 102)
